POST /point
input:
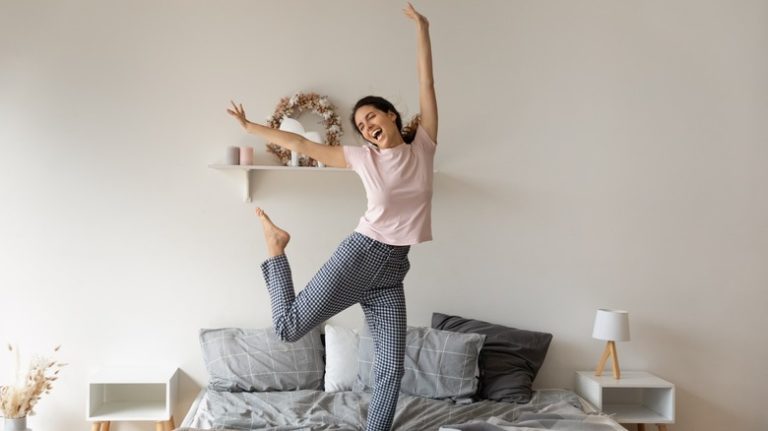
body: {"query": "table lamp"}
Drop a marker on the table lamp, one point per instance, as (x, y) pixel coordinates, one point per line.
(611, 326)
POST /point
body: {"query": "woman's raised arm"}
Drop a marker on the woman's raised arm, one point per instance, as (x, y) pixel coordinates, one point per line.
(331, 156)
(427, 98)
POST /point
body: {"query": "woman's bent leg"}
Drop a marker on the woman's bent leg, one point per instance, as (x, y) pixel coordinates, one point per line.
(385, 313)
(324, 297)
(340, 283)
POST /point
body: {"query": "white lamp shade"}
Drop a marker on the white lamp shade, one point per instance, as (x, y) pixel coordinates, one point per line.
(611, 325)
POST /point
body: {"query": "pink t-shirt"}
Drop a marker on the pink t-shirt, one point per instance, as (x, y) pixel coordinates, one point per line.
(398, 184)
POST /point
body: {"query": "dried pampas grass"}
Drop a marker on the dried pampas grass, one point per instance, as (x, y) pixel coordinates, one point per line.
(19, 400)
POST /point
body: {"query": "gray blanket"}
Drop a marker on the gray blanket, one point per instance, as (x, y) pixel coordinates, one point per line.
(346, 411)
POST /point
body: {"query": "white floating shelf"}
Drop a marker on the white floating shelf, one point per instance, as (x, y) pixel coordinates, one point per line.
(275, 168)
(248, 169)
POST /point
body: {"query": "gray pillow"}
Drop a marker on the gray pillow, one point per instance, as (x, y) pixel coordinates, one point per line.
(246, 360)
(510, 358)
(438, 364)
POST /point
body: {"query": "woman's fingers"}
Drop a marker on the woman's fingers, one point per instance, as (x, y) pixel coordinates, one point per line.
(238, 111)
(411, 13)
(234, 113)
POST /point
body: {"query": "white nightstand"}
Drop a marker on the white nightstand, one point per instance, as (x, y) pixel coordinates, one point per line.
(132, 394)
(637, 398)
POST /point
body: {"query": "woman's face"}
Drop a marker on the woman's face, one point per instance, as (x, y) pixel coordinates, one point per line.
(378, 127)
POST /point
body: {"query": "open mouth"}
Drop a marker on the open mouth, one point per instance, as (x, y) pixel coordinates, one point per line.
(376, 134)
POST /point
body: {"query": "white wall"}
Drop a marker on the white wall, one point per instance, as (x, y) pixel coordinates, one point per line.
(592, 153)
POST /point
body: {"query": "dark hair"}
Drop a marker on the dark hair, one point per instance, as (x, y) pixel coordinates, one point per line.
(384, 105)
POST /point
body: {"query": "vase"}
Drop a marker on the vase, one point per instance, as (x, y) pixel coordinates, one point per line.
(15, 424)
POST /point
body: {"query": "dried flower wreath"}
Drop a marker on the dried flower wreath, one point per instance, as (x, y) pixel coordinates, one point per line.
(294, 106)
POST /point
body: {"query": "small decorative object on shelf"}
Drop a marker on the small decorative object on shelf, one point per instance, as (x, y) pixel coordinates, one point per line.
(18, 400)
(246, 155)
(233, 155)
(293, 106)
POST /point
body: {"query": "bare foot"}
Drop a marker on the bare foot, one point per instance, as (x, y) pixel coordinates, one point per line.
(277, 239)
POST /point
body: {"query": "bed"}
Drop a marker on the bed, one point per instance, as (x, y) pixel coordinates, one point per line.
(460, 375)
(554, 409)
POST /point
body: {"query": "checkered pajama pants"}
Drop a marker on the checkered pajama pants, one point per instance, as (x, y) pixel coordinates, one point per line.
(361, 270)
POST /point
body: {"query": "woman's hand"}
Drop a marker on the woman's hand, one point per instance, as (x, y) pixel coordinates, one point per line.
(411, 13)
(239, 113)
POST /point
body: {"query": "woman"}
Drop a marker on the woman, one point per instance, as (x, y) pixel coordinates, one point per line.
(369, 266)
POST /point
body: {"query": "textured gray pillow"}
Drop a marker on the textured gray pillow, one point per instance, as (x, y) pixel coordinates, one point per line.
(438, 364)
(246, 360)
(510, 358)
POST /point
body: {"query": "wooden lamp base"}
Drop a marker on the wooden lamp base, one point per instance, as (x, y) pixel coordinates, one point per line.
(610, 350)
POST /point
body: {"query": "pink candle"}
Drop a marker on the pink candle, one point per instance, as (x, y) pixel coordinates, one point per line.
(246, 155)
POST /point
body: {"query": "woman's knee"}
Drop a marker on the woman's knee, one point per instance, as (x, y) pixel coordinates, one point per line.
(289, 338)
(285, 335)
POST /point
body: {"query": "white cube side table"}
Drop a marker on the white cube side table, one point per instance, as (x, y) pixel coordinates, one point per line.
(638, 397)
(132, 394)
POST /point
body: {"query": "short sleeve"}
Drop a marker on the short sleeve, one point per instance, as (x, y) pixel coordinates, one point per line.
(354, 156)
(422, 139)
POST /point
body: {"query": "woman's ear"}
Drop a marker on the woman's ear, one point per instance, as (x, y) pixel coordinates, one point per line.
(392, 116)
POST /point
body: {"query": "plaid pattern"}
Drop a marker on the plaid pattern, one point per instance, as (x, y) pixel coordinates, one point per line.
(438, 364)
(361, 270)
(256, 360)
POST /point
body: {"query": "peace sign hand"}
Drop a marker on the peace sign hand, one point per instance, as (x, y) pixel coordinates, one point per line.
(239, 113)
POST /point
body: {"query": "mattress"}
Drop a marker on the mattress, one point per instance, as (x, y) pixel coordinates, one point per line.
(554, 409)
